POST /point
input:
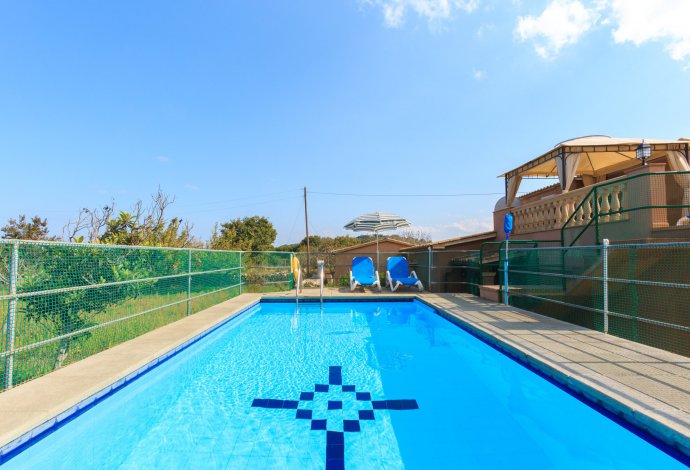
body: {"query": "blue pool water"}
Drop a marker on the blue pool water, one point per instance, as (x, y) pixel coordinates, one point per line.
(351, 385)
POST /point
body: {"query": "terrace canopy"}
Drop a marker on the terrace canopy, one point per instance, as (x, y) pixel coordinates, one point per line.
(594, 157)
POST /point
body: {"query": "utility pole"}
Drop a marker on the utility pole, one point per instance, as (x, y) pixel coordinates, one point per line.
(306, 225)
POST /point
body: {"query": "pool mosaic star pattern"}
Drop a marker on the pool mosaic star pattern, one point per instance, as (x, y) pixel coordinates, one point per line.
(335, 439)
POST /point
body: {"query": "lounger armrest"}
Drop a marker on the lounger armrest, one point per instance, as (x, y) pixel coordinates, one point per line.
(413, 274)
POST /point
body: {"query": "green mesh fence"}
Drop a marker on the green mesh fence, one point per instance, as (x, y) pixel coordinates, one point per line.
(266, 271)
(439, 270)
(62, 302)
(643, 296)
(491, 257)
(454, 271)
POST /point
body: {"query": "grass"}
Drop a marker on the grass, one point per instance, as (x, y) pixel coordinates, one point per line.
(36, 361)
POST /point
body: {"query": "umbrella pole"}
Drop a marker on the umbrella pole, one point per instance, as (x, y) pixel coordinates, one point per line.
(377, 250)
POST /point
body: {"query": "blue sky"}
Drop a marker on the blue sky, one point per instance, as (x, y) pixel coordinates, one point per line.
(233, 107)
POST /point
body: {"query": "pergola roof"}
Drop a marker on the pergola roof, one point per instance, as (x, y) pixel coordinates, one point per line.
(600, 154)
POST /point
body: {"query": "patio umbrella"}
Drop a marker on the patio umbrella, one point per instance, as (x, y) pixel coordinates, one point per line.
(377, 222)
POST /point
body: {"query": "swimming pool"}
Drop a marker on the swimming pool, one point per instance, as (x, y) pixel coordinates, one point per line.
(347, 385)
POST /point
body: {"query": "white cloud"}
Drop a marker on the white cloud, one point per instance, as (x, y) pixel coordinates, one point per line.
(479, 75)
(561, 23)
(395, 11)
(471, 226)
(564, 22)
(640, 21)
(162, 159)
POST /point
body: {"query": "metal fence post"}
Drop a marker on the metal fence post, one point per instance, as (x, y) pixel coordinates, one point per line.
(189, 281)
(12, 316)
(430, 265)
(240, 272)
(596, 216)
(606, 284)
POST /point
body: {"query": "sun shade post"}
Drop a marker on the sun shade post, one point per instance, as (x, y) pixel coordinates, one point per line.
(507, 228)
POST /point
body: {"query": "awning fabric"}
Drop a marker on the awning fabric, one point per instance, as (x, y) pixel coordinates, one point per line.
(598, 155)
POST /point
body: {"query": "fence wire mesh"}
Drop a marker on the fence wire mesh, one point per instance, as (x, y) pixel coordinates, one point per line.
(62, 302)
(647, 289)
(439, 270)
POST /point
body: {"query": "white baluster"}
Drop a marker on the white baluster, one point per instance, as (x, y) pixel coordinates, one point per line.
(566, 211)
(605, 204)
(580, 215)
(616, 202)
(624, 200)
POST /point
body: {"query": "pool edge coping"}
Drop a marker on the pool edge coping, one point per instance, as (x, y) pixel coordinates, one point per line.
(635, 416)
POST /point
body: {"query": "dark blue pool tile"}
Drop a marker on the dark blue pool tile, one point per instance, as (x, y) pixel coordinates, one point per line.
(335, 438)
(366, 415)
(290, 404)
(271, 403)
(335, 464)
(335, 405)
(259, 402)
(335, 452)
(348, 388)
(402, 405)
(320, 388)
(318, 424)
(379, 404)
(303, 414)
(335, 375)
(306, 396)
(351, 425)
(363, 396)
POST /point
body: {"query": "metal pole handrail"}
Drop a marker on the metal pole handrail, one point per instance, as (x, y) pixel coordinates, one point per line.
(128, 247)
(62, 290)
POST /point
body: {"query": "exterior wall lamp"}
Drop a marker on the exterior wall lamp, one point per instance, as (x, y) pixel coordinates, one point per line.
(643, 152)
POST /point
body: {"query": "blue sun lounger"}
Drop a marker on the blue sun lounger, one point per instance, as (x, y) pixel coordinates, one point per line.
(363, 273)
(398, 274)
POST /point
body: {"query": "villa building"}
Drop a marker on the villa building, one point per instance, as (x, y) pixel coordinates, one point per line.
(624, 190)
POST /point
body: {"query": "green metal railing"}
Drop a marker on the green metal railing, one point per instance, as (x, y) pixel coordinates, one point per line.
(631, 202)
(61, 302)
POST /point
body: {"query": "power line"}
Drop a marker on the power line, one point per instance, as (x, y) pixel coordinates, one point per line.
(241, 198)
(405, 195)
(251, 204)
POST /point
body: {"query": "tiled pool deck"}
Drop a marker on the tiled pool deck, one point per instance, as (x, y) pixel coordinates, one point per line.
(646, 386)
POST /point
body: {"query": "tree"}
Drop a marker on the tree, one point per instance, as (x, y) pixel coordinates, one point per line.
(254, 233)
(147, 226)
(35, 229)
